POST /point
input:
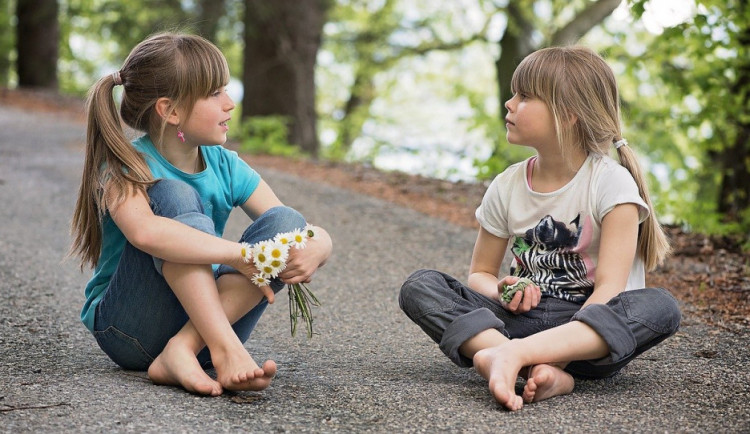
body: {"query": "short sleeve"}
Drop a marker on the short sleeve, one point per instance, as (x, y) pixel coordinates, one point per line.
(615, 186)
(244, 179)
(492, 213)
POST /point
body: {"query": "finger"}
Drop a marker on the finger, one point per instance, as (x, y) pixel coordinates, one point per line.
(516, 301)
(268, 293)
(529, 298)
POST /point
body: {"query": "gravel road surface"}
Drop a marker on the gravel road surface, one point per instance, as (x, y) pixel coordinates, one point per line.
(369, 369)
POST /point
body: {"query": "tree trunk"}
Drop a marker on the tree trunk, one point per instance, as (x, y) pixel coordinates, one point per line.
(37, 38)
(515, 44)
(282, 38)
(734, 192)
(209, 14)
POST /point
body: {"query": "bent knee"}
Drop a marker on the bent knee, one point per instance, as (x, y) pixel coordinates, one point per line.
(172, 197)
(418, 289)
(285, 218)
(655, 308)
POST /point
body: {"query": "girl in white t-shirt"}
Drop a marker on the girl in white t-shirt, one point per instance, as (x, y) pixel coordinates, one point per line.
(580, 226)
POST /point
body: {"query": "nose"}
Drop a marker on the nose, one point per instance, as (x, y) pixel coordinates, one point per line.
(509, 103)
(229, 104)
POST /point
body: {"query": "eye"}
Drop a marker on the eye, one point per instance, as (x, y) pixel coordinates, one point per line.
(217, 92)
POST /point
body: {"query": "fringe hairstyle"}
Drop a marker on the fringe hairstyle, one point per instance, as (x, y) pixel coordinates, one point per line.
(576, 83)
(181, 68)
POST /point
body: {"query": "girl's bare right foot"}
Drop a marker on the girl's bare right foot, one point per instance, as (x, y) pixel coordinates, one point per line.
(546, 381)
(500, 368)
(178, 366)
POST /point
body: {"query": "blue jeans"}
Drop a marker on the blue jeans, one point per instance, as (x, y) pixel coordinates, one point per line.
(451, 313)
(139, 313)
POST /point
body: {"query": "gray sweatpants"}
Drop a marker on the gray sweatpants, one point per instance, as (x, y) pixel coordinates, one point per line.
(451, 313)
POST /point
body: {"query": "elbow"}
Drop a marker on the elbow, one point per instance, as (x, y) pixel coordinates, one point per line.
(144, 239)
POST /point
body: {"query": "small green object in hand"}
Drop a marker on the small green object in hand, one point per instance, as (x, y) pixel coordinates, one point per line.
(510, 290)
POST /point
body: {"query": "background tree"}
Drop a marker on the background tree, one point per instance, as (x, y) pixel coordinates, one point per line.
(37, 38)
(282, 39)
(696, 108)
(7, 40)
(372, 37)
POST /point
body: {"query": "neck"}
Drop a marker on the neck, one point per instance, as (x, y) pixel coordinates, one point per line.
(552, 170)
(181, 155)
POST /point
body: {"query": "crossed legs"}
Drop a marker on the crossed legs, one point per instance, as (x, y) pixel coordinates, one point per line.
(539, 357)
(213, 306)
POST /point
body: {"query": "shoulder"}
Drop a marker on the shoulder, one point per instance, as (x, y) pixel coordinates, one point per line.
(612, 185)
(605, 167)
(224, 159)
(218, 152)
(512, 174)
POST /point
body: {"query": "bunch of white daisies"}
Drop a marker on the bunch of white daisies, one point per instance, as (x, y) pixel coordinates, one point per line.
(269, 257)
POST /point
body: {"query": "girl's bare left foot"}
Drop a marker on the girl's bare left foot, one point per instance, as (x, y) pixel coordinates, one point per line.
(177, 366)
(238, 371)
(547, 381)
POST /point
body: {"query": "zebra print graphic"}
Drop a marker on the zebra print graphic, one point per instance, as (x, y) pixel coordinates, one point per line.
(545, 256)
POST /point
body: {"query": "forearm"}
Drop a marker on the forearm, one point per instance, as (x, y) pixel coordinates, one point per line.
(173, 241)
(485, 284)
(602, 294)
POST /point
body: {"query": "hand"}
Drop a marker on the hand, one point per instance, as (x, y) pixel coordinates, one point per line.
(523, 301)
(248, 270)
(300, 265)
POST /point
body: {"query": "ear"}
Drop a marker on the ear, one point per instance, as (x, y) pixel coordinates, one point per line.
(572, 120)
(166, 110)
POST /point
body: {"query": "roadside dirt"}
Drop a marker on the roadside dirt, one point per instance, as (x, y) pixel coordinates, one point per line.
(711, 275)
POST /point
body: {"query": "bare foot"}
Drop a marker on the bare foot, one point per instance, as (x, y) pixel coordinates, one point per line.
(546, 381)
(500, 368)
(238, 371)
(177, 366)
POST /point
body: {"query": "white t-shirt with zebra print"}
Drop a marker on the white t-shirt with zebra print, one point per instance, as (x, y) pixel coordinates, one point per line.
(555, 236)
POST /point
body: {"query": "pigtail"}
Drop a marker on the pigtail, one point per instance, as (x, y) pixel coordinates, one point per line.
(111, 162)
(653, 245)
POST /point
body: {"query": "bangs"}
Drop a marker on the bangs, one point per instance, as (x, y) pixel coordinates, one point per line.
(537, 75)
(205, 68)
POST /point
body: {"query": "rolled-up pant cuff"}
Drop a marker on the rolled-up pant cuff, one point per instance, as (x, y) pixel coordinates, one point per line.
(464, 328)
(612, 328)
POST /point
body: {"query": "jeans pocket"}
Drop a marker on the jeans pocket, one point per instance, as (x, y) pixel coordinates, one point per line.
(123, 349)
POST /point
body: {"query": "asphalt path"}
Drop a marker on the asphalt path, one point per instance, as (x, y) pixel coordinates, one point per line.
(368, 368)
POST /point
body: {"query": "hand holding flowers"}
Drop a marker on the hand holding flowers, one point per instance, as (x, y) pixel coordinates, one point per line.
(270, 258)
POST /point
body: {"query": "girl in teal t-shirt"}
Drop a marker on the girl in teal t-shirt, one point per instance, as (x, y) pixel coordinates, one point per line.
(168, 294)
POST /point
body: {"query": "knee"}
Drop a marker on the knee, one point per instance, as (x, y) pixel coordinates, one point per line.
(283, 219)
(670, 309)
(653, 307)
(171, 197)
(417, 289)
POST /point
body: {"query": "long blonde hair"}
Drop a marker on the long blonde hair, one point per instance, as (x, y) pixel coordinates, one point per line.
(182, 68)
(576, 83)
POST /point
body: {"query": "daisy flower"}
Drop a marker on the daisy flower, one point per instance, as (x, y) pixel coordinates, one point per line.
(299, 240)
(283, 238)
(309, 232)
(260, 280)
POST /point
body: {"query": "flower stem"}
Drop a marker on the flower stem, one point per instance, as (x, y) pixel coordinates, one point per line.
(300, 300)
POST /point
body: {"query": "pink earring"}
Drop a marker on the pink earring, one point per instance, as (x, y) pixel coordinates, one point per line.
(181, 135)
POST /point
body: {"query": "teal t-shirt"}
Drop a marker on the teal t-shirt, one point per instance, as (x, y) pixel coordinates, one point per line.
(227, 182)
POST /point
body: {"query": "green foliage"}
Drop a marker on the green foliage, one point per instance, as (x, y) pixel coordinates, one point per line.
(687, 103)
(267, 135)
(7, 41)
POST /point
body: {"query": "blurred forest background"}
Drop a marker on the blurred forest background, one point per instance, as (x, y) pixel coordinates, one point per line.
(418, 85)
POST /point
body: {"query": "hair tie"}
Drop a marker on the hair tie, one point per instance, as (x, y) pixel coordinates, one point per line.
(619, 143)
(116, 78)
